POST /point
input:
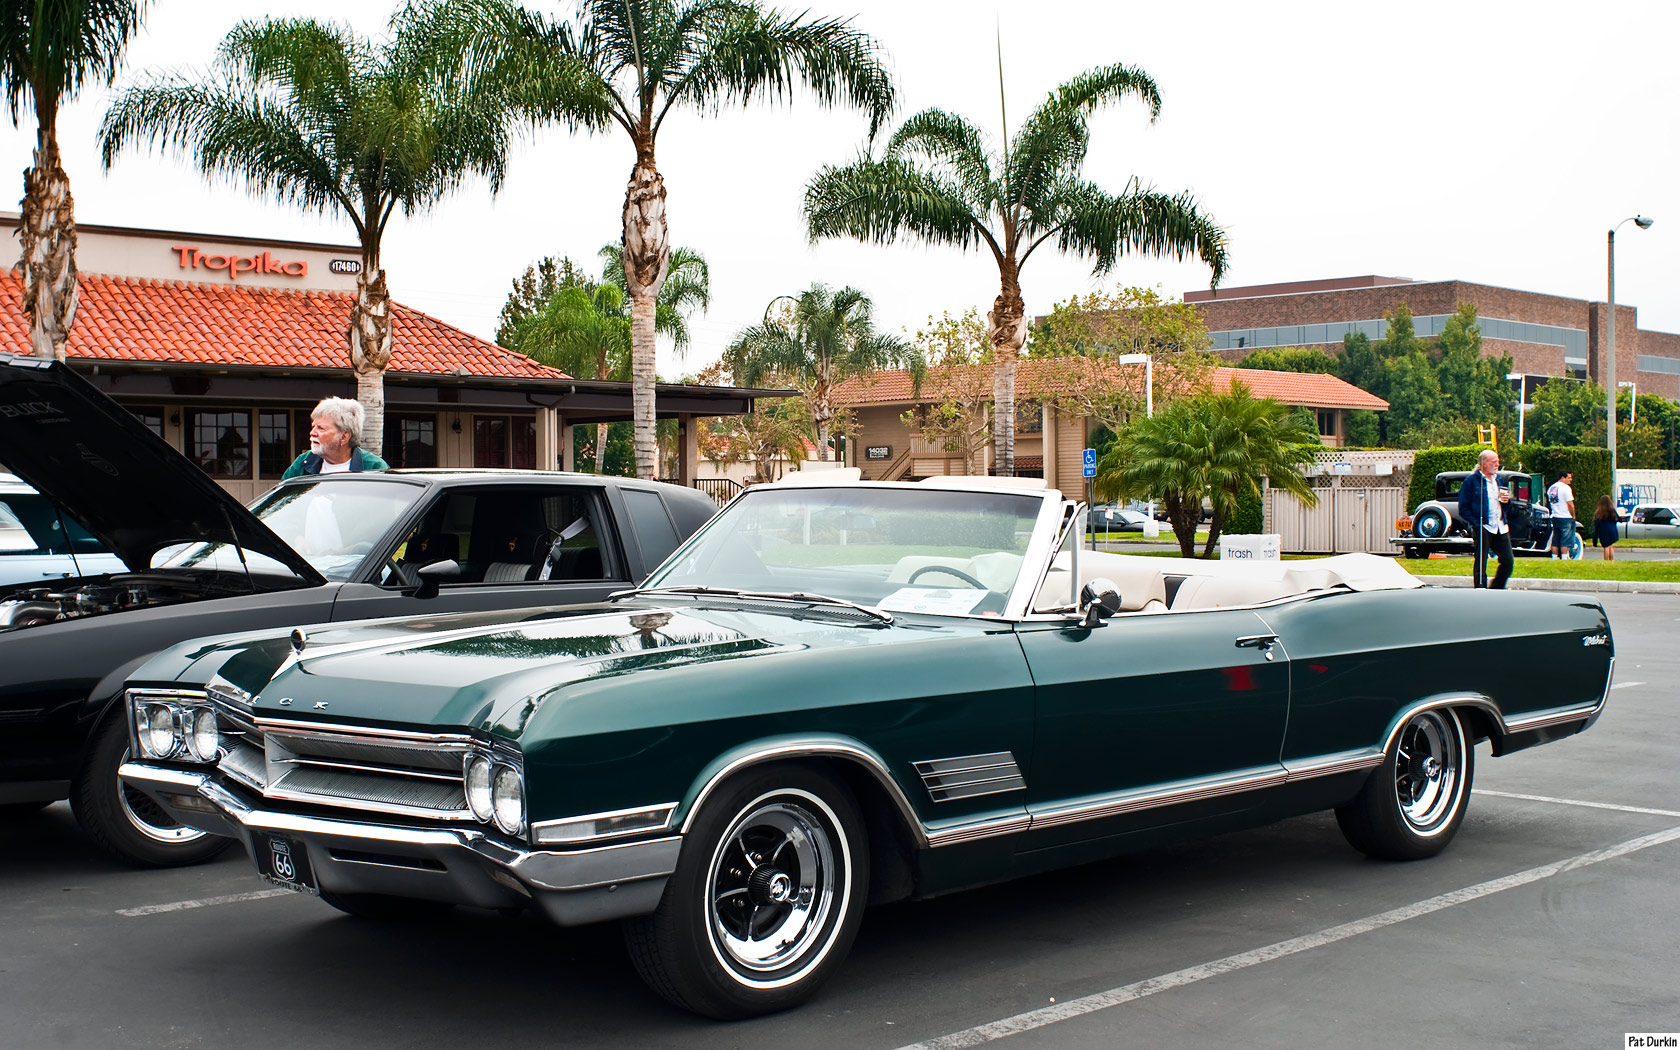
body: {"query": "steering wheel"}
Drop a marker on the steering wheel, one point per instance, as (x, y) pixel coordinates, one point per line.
(950, 571)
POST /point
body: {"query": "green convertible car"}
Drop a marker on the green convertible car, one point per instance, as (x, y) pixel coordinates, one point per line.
(839, 693)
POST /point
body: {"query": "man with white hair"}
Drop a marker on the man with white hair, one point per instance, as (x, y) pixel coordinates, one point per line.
(335, 439)
(1481, 505)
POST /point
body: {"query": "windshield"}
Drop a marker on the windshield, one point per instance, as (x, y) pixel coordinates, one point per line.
(333, 523)
(949, 552)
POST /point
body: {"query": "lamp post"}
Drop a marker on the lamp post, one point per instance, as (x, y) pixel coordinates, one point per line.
(1633, 403)
(1609, 370)
(1150, 529)
(1522, 399)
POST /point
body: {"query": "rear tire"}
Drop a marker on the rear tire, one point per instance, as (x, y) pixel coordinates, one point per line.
(766, 900)
(1412, 804)
(122, 821)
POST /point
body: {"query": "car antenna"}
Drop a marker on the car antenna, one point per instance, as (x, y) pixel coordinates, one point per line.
(239, 549)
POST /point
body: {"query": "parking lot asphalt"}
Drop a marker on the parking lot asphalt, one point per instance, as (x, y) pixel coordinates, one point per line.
(1550, 921)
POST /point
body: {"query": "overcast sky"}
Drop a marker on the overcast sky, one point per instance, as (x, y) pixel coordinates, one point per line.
(1486, 142)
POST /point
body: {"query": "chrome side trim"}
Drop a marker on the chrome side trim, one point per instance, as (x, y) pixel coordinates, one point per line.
(971, 776)
(984, 829)
(1552, 718)
(1171, 794)
(806, 749)
(1331, 765)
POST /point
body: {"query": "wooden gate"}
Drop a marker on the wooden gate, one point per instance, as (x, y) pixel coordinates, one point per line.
(1346, 520)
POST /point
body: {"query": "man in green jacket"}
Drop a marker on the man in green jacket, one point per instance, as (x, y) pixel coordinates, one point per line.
(335, 438)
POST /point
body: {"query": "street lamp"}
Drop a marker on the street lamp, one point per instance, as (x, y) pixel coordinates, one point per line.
(1609, 369)
(1522, 400)
(1633, 403)
(1150, 529)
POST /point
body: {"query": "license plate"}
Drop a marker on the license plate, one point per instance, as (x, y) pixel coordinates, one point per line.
(285, 863)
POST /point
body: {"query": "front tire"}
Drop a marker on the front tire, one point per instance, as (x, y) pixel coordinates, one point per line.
(766, 899)
(1413, 803)
(123, 821)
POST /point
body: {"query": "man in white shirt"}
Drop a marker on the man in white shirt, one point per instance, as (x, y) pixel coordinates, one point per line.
(1561, 496)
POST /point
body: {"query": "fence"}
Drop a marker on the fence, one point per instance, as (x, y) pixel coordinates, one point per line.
(1359, 496)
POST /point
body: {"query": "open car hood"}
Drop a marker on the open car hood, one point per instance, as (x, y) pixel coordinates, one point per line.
(125, 484)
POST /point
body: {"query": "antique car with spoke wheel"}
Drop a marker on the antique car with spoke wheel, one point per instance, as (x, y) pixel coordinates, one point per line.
(839, 693)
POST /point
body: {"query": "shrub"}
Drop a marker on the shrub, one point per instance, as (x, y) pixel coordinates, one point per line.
(1591, 467)
(1432, 461)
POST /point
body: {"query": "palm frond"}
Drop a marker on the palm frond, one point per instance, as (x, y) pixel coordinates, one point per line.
(878, 200)
(737, 53)
(50, 49)
(952, 146)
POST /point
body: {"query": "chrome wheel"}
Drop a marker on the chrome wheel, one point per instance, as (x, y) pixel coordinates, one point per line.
(149, 818)
(774, 880)
(1428, 764)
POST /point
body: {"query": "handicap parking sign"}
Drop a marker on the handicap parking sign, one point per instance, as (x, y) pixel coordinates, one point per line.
(1090, 462)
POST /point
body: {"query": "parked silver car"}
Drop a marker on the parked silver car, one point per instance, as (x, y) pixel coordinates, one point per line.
(38, 543)
(1653, 521)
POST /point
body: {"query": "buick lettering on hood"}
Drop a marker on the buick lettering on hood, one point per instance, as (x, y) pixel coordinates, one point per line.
(839, 693)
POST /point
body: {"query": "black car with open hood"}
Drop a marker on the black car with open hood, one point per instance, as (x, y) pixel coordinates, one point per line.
(312, 550)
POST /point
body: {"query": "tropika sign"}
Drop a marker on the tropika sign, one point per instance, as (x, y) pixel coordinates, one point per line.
(193, 258)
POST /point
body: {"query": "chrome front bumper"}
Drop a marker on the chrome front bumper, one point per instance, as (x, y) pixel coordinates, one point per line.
(458, 865)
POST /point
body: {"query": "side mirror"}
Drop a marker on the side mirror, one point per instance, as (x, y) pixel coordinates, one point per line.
(433, 575)
(1098, 600)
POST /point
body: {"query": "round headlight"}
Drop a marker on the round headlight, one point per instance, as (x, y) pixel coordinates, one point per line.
(203, 740)
(478, 787)
(509, 796)
(157, 730)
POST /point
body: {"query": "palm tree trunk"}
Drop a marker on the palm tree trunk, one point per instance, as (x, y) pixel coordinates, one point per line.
(1006, 327)
(370, 351)
(47, 230)
(822, 413)
(647, 258)
(601, 448)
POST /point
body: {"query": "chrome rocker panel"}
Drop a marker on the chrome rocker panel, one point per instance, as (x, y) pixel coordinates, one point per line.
(457, 865)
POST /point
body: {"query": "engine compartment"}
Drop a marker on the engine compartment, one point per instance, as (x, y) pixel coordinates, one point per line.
(31, 605)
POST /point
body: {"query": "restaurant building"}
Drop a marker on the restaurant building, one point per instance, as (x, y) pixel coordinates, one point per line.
(1049, 439)
(224, 345)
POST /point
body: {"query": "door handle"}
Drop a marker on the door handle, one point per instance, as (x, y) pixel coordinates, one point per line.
(1262, 642)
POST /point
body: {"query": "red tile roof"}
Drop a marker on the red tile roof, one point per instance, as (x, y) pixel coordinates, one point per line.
(141, 319)
(1037, 377)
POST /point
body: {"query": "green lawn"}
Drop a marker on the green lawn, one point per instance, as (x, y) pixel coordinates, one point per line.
(1588, 568)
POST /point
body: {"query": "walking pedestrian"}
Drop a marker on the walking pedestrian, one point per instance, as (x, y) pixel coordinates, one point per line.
(1605, 529)
(1481, 505)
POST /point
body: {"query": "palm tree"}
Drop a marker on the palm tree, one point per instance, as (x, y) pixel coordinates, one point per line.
(938, 181)
(319, 117)
(1215, 445)
(583, 329)
(49, 49)
(654, 56)
(815, 341)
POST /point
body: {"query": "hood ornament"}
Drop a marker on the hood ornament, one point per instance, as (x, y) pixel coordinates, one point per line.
(299, 640)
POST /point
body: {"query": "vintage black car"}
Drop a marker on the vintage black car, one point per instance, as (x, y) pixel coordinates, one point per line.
(313, 550)
(1435, 525)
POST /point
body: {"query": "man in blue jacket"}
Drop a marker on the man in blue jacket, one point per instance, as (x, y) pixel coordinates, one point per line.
(1481, 506)
(335, 439)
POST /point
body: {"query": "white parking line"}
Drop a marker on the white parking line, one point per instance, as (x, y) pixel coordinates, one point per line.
(1026, 1022)
(1626, 685)
(1579, 802)
(203, 902)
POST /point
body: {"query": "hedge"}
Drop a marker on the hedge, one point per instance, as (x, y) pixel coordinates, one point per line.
(1249, 519)
(1591, 467)
(1432, 461)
